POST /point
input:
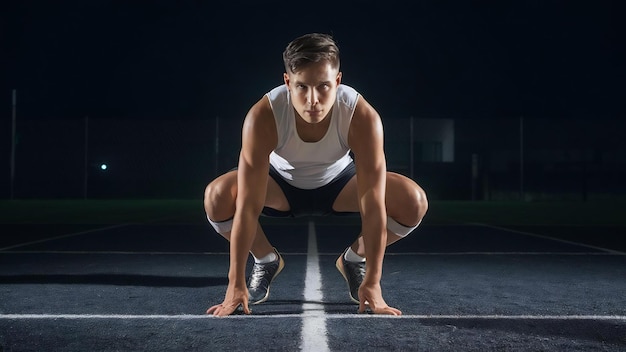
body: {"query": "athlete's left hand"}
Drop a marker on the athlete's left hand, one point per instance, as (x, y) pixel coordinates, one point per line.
(236, 295)
(371, 295)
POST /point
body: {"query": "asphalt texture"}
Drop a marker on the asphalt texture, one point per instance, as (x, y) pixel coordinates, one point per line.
(145, 287)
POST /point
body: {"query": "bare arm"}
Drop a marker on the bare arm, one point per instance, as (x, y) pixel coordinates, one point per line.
(258, 138)
(366, 141)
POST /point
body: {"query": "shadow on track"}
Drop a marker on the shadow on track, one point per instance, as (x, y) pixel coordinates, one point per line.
(116, 280)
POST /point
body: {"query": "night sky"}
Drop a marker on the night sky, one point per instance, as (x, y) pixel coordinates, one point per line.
(201, 59)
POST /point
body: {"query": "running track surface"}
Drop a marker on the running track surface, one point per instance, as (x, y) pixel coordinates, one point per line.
(145, 287)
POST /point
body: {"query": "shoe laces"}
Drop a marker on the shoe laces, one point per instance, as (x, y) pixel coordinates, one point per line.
(257, 275)
(358, 274)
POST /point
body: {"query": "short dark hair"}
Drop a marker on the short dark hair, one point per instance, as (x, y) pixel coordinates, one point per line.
(309, 48)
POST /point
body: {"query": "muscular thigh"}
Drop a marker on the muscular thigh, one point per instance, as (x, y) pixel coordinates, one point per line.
(398, 189)
(274, 198)
(347, 200)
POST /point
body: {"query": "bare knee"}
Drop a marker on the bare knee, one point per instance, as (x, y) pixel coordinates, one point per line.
(415, 208)
(421, 203)
(219, 200)
(408, 204)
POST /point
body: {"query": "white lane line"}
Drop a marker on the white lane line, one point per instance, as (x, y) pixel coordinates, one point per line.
(313, 335)
(306, 315)
(61, 237)
(550, 238)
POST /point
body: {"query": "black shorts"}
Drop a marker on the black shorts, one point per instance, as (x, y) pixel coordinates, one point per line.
(317, 201)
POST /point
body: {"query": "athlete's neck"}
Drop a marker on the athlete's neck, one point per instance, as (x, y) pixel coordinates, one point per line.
(312, 132)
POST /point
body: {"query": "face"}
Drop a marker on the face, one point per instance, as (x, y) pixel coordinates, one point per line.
(313, 90)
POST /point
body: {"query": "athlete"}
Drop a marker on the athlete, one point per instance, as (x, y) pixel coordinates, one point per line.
(312, 146)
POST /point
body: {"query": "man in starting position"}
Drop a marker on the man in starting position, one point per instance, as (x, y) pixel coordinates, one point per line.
(296, 159)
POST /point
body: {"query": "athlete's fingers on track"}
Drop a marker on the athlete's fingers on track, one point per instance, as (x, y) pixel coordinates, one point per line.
(219, 310)
(383, 311)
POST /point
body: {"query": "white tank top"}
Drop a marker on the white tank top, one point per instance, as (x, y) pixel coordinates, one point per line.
(310, 165)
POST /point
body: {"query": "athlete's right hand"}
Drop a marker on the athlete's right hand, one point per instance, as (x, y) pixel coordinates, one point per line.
(371, 295)
(235, 296)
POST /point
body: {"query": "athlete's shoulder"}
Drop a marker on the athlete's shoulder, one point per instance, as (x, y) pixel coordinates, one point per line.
(346, 89)
(346, 92)
(259, 127)
(260, 113)
(347, 96)
(364, 114)
(278, 93)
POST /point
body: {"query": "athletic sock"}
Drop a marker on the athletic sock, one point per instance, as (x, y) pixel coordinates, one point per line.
(351, 256)
(267, 259)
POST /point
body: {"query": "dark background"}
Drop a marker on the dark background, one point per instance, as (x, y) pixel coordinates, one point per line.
(178, 66)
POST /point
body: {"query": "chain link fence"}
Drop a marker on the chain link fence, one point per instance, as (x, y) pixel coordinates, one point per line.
(492, 159)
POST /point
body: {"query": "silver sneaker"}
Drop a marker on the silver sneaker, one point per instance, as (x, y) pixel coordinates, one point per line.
(261, 277)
